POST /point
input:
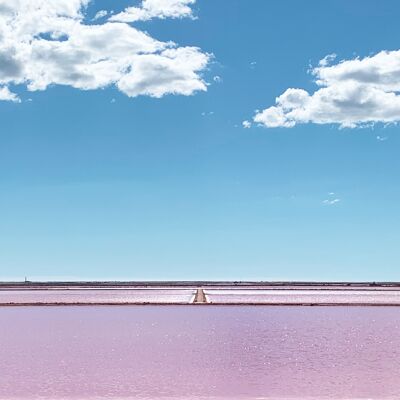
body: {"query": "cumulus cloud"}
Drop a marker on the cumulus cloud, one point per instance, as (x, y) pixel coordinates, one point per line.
(47, 42)
(150, 9)
(351, 93)
(100, 14)
(171, 71)
(7, 95)
(246, 124)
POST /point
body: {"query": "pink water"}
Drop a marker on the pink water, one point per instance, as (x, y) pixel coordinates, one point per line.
(192, 352)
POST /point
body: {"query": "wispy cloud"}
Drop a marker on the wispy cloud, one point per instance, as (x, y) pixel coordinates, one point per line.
(351, 93)
(381, 138)
(331, 202)
(246, 124)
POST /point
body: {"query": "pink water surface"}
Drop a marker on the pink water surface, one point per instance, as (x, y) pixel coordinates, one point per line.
(199, 352)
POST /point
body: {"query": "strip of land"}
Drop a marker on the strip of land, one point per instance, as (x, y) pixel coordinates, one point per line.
(27, 284)
(200, 293)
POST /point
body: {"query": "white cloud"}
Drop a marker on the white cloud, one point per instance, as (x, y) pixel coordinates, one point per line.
(171, 71)
(327, 60)
(46, 42)
(331, 202)
(150, 9)
(351, 93)
(246, 124)
(381, 138)
(7, 95)
(100, 14)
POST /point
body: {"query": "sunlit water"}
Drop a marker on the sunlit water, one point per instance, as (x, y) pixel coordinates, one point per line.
(199, 352)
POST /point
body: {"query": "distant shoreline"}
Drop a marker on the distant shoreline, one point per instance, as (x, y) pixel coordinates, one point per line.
(218, 293)
(172, 284)
(194, 305)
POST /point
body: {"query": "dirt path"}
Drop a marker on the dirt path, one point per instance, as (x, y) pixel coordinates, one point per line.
(200, 297)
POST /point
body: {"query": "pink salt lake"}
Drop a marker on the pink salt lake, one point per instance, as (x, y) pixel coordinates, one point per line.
(199, 352)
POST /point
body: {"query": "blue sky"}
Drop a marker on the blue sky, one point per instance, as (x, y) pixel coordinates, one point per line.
(132, 178)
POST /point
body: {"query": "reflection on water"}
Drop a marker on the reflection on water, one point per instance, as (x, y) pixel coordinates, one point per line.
(194, 352)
